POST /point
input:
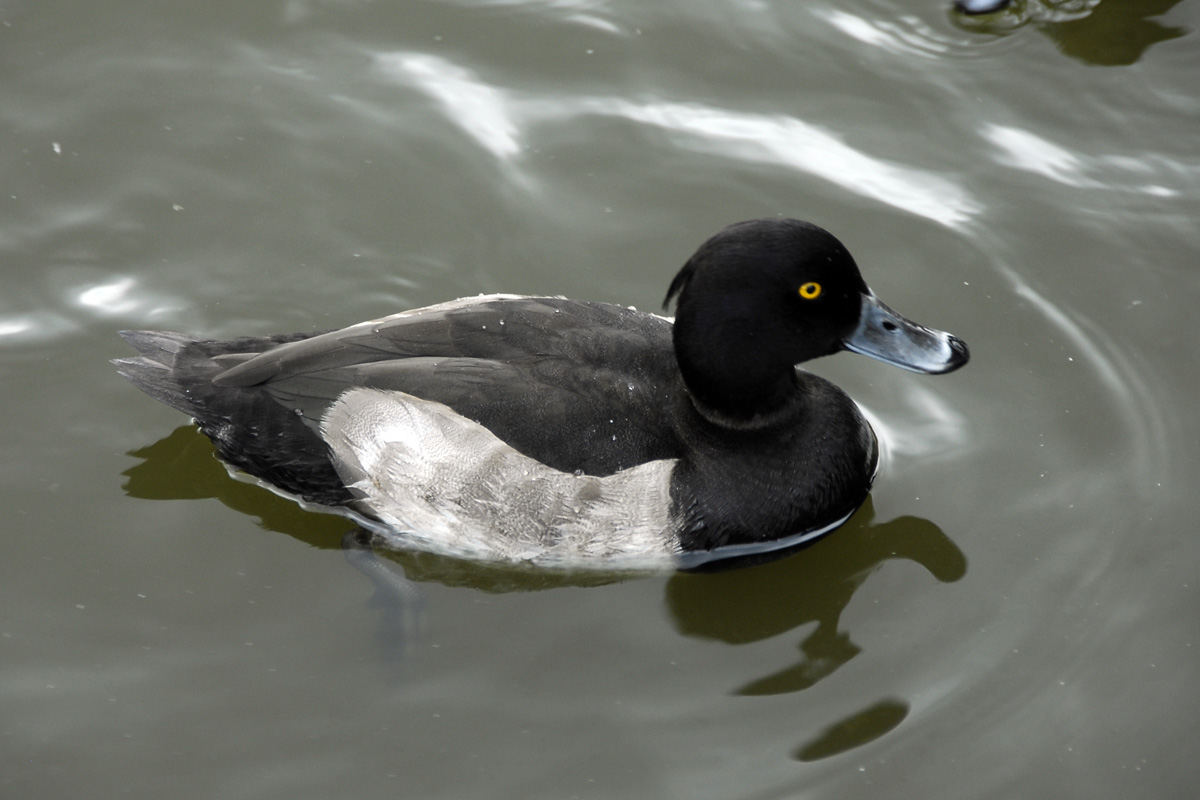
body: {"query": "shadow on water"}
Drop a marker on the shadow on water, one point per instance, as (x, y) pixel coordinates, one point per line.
(855, 730)
(1099, 32)
(184, 466)
(736, 606)
(750, 605)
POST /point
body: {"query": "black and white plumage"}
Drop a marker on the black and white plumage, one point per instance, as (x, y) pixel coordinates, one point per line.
(568, 433)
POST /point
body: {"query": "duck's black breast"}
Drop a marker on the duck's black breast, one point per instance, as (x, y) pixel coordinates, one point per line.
(806, 467)
(578, 386)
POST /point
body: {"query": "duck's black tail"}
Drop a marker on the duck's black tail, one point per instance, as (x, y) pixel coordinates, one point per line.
(161, 372)
(250, 429)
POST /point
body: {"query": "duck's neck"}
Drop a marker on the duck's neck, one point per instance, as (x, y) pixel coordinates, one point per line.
(739, 383)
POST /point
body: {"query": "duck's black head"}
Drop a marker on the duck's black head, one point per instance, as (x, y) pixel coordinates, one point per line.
(762, 296)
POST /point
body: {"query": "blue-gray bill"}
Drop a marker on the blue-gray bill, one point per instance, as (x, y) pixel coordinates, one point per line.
(895, 340)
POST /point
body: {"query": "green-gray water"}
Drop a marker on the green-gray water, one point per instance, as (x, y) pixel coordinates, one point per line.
(1012, 615)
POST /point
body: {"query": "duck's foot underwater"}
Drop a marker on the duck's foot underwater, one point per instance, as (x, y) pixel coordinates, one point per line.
(401, 602)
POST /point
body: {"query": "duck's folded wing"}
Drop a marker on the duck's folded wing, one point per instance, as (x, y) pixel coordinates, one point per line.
(563, 417)
(577, 386)
(495, 327)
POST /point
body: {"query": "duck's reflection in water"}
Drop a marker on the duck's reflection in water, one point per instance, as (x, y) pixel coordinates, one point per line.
(1109, 33)
(735, 605)
(749, 605)
(183, 466)
(854, 730)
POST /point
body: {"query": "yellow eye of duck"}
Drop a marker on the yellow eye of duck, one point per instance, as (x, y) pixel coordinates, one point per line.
(810, 290)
